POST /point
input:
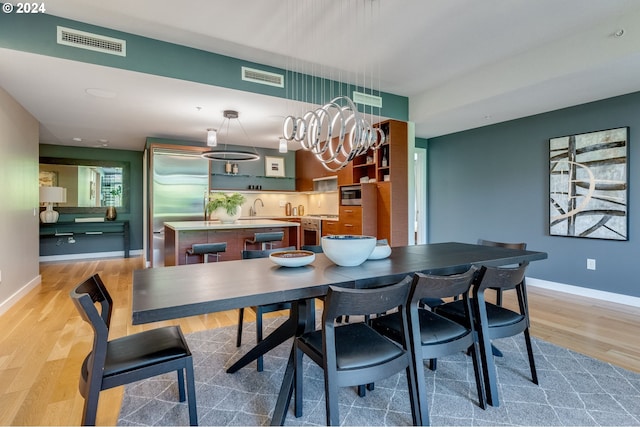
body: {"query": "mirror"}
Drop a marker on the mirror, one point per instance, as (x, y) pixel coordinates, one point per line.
(92, 185)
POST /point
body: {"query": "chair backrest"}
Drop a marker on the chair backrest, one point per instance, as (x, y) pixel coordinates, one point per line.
(85, 296)
(265, 253)
(268, 236)
(207, 248)
(503, 277)
(313, 248)
(521, 246)
(438, 287)
(354, 302)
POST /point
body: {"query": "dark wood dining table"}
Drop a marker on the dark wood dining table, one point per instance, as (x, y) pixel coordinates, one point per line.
(165, 293)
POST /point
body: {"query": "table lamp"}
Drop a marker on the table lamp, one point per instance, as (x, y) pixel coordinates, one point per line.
(49, 196)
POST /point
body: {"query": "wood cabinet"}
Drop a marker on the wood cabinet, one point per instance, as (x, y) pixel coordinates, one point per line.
(391, 161)
(308, 168)
(361, 219)
(330, 227)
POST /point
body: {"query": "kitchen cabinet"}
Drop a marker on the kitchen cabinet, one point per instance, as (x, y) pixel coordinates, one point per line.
(309, 167)
(330, 227)
(361, 219)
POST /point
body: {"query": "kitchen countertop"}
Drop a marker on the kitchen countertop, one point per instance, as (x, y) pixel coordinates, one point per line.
(217, 225)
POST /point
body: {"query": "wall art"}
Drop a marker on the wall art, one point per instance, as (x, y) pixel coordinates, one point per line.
(588, 185)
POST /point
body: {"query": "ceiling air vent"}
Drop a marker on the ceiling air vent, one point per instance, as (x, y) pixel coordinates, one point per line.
(96, 42)
(366, 99)
(262, 77)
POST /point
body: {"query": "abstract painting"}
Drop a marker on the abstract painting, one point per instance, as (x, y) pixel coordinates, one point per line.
(588, 182)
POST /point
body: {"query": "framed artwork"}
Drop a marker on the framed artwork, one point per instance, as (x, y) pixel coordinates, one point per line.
(48, 178)
(274, 166)
(588, 185)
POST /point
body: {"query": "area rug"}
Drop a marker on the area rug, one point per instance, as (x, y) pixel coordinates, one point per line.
(574, 390)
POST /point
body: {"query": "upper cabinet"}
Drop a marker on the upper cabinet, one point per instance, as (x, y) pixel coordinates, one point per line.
(309, 168)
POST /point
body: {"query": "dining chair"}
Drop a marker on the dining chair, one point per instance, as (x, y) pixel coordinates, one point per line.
(494, 321)
(260, 309)
(521, 246)
(433, 336)
(354, 353)
(127, 359)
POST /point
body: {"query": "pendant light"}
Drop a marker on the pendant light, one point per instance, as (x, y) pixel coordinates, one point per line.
(226, 155)
(282, 147)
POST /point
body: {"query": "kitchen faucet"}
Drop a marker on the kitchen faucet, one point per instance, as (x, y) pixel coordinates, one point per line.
(253, 211)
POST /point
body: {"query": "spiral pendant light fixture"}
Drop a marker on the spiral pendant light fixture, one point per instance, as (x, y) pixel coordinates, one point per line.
(337, 131)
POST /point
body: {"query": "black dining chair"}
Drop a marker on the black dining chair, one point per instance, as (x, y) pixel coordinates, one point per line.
(127, 359)
(260, 310)
(434, 336)
(494, 321)
(354, 353)
(521, 246)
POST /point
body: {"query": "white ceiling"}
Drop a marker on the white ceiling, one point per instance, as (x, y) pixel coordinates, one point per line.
(462, 63)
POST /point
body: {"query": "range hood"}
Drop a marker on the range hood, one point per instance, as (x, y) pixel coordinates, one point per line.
(325, 184)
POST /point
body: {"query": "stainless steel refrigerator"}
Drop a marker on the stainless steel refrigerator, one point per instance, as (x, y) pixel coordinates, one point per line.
(179, 183)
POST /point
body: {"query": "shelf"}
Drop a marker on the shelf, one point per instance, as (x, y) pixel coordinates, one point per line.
(364, 165)
(275, 177)
(231, 175)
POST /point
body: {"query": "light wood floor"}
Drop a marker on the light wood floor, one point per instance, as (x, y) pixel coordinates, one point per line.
(43, 340)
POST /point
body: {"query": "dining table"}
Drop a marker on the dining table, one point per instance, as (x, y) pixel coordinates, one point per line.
(165, 293)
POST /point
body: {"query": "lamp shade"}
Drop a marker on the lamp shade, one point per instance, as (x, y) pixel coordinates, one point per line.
(49, 196)
(53, 195)
(282, 147)
(212, 137)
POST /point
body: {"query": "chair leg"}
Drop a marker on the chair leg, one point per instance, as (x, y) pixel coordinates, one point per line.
(181, 393)
(260, 359)
(90, 408)
(331, 393)
(240, 318)
(297, 383)
(433, 364)
(532, 362)
(362, 391)
(191, 394)
(477, 370)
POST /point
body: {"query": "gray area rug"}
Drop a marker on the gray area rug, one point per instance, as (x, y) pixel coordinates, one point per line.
(574, 390)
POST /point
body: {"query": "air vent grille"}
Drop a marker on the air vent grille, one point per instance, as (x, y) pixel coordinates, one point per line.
(367, 99)
(262, 77)
(95, 42)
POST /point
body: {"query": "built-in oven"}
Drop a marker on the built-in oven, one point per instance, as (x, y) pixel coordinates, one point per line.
(311, 230)
(351, 195)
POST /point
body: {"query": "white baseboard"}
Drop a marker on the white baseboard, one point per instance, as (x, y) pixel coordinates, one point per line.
(92, 255)
(585, 292)
(9, 302)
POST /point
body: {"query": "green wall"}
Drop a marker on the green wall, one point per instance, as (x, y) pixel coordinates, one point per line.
(135, 214)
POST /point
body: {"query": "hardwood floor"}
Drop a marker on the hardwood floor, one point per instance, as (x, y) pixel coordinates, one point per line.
(44, 341)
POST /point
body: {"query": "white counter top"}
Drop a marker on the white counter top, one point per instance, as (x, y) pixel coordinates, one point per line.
(217, 225)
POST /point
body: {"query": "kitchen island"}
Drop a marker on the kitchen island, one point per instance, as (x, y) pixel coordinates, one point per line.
(180, 235)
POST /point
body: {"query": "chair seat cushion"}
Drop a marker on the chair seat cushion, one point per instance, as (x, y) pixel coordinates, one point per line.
(496, 315)
(434, 329)
(144, 349)
(357, 346)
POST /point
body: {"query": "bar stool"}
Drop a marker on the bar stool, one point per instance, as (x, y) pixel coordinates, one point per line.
(265, 239)
(206, 249)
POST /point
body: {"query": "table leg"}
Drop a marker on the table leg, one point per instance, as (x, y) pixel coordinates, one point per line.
(285, 331)
(302, 313)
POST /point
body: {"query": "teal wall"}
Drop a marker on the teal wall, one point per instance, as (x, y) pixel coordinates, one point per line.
(36, 33)
(134, 216)
(492, 183)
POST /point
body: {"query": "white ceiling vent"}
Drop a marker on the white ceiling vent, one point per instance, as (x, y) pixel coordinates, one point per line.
(262, 77)
(367, 99)
(96, 42)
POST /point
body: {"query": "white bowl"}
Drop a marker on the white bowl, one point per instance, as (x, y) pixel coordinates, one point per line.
(348, 250)
(292, 258)
(381, 251)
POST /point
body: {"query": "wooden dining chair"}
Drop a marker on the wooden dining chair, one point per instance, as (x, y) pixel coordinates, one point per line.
(354, 353)
(127, 359)
(433, 336)
(494, 321)
(260, 310)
